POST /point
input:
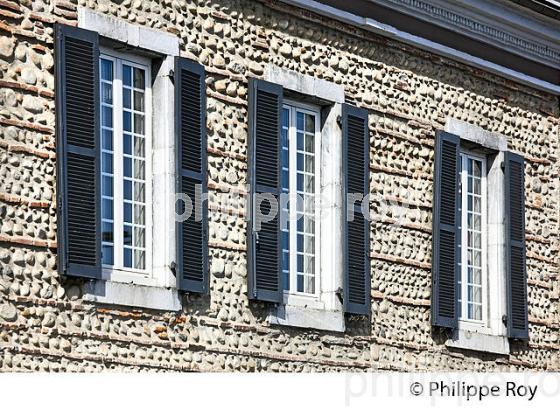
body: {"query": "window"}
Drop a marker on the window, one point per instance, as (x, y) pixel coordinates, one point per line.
(478, 262)
(473, 283)
(300, 135)
(125, 163)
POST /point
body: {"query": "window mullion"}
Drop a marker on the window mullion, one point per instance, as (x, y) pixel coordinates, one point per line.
(464, 236)
(292, 144)
(118, 165)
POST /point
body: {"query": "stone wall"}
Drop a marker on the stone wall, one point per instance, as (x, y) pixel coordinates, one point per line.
(46, 325)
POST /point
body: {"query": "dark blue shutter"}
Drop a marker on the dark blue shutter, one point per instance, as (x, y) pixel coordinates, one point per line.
(446, 237)
(77, 145)
(355, 146)
(517, 321)
(190, 134)
(263, 247)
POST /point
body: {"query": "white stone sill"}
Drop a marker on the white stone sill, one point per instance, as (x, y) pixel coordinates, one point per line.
(129, 294)
(305, 317)
(479, 341)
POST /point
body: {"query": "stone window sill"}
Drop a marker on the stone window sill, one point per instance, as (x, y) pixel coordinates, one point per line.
(128, 294)
(298, 316)
(478, 341)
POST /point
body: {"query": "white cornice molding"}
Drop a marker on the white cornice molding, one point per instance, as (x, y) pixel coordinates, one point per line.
(491, 22)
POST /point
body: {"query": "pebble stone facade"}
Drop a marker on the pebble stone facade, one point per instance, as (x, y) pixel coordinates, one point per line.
(45, 325)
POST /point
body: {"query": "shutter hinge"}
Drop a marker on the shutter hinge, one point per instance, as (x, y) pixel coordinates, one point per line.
(504, 320)
(173, 267)
(503, 165)
(339, 120)
(171, 76)
(340, 294)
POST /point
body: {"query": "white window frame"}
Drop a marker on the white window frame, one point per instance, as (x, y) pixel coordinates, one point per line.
(466, 323)
(117, 272)
(292, 296)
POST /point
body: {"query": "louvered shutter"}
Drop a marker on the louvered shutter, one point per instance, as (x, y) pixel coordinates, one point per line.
(77, 144)
(355, 146)
(263, 248)
(446, 231)
(192, 233)
(517, 322)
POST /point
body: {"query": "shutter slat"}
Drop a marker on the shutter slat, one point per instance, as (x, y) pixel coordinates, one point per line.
(517, 318)
(357, 276)
(446, 235)
(77, 129)
(263, 250)
(192, 234)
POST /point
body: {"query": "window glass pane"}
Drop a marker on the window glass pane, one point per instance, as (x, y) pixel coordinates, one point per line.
(300, 286)
(139, 215)
(139, 259)
(107, 209)
(127, 212)
(309, 284)
(127, 190)
(107, 186)
(139, 101)
(127, 144)
(106, 70)
(107, 161)
(127, 234)
(299, 121)
(127, 75)
(139, 124)
(107, 232)
(127, 121)
(139, 194)
(310, 123)
(300, 140)
(285, 117)
(127, 167)
(107, 116)
(107, 255)
(139, 147)
(139, 240)
(107, 139)
(127, 258)
(139, 169)
(126, 98)
(106, 93)
(139, 78)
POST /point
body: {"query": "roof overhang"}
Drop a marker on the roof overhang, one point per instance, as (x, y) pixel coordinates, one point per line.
(499, 36)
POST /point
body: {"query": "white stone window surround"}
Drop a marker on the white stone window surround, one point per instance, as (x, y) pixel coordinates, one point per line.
(326, 311)
(490, 335)
(158, 291)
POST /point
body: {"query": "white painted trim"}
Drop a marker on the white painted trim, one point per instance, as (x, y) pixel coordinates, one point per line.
(304, 84)
(308, 318)
(391, 32)
(469, 340)
(476, 134)
(128, 33)
(127, 294)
